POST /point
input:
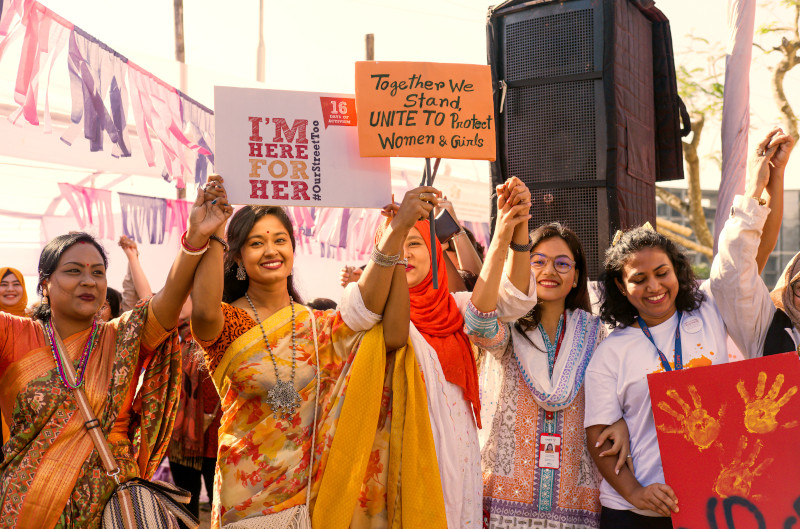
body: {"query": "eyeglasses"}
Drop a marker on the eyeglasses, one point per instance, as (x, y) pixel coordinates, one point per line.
(562, 263)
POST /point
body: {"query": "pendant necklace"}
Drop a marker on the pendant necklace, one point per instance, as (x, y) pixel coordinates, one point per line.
(82, 363)
(283, 397)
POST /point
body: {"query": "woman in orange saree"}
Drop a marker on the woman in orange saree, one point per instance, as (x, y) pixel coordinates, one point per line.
(51, 476)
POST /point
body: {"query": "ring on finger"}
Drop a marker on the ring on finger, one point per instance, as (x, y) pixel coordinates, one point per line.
(761, 152)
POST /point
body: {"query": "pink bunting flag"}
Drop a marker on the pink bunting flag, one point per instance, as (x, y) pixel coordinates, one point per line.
(91, 207)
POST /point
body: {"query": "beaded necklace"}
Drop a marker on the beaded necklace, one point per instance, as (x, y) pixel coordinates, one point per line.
(84, 360)
(283, 397)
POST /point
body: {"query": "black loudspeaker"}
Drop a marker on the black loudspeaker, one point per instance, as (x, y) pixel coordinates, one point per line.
(576, 85)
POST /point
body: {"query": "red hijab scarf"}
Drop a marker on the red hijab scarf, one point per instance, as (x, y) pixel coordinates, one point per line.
(437, 318)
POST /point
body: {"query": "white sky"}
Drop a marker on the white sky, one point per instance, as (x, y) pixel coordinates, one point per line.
(312, 45)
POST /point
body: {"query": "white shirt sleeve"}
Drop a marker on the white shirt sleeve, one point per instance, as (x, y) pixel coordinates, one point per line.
(512, 303)
(602, 402)
(353, 311)
(739, 292)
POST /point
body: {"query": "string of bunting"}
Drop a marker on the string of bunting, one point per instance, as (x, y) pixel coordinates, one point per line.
(105, 88)
(343, 234)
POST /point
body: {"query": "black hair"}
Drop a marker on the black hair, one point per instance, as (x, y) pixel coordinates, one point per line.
(8, 273)
(578, 297)
(469, 279)
(51, 255)
(239, 228)
(615, 308)
(478, 246)
(114, 299)
(321, 304)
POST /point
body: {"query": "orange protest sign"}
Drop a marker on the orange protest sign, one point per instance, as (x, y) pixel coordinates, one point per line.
(425, 110)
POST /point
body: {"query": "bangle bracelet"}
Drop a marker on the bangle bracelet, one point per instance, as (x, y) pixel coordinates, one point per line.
(403, 262)
(522, 247)
(381, 259)
(220, 240)
(191, 250)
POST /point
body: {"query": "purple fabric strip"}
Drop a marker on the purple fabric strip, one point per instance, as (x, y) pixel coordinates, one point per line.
(143, 218)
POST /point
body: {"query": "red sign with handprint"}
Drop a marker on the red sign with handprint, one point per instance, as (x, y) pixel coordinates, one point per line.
(728, 436)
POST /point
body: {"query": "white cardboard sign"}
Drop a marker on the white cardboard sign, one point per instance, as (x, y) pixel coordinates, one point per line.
(276, 147)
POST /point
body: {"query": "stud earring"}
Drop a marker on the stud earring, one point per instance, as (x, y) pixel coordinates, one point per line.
(241, 273)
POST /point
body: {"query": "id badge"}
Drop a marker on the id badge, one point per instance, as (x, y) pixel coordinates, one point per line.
(549, 450)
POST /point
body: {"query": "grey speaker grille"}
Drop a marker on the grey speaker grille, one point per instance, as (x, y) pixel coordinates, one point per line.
(553, 134)
(576, 209)
(550, 46)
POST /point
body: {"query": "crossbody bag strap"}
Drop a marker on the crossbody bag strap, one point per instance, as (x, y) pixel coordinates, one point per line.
(316, 403)
(90, 420)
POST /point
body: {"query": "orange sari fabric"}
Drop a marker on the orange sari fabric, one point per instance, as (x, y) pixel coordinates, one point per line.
(52, 477)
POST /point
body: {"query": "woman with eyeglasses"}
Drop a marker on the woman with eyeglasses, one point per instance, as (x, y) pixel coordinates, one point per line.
(770, 322)
(532, 396)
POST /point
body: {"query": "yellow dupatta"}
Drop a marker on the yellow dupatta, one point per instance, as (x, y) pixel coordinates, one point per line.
(414, 491)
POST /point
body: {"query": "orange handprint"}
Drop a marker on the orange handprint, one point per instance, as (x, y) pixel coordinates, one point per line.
(696, 425)
(760, 413)
(737, 478)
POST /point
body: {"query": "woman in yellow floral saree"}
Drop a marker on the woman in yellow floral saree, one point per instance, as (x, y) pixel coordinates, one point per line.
(51, 476)
(260, 348)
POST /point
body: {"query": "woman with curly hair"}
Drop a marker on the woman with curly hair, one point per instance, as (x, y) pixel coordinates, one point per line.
(664, 321)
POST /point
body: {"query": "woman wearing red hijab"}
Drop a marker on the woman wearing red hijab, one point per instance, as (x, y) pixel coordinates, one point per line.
(444, 351)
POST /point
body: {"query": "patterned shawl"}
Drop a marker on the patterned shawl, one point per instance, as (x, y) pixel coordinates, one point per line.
(50, 438)
(582, 334)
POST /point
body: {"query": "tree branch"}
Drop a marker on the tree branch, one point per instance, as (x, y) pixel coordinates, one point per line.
(673, 201)
(689, 244)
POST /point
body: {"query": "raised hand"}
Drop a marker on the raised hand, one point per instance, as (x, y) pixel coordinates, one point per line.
(446, 204)
(128, 245)
(696, 425)
(760, 413)
(780, 157)
(513, 207)
(209, 212)
(349, 274)
(770, 157)
(416, 205)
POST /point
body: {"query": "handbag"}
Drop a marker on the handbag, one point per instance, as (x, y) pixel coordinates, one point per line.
(137, 503)
(297, 517)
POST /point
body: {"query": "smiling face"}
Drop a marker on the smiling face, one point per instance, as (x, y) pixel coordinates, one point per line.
(10, 290)
(650, 284)
(552, 285)
(77, 288)
(267, 253)
(419, 258)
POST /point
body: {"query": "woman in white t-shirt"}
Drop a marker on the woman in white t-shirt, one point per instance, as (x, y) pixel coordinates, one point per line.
(652, 298)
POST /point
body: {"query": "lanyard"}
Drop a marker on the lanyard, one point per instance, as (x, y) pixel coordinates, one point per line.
(678, 348)
(561, 331)
(560, 337)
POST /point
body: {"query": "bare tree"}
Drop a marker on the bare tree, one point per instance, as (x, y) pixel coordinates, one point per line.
(701, 90)
(788, 52)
